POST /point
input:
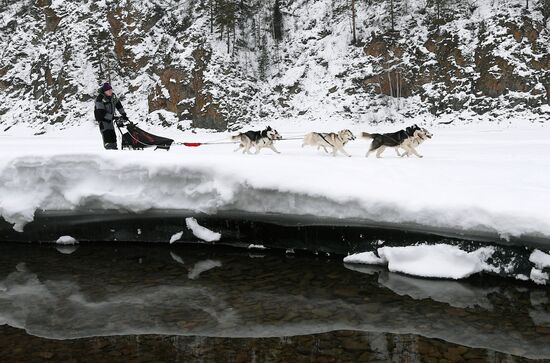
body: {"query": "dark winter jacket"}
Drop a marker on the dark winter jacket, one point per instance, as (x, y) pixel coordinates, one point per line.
(104, 110)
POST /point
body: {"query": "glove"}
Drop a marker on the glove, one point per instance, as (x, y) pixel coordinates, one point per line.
(124, 117)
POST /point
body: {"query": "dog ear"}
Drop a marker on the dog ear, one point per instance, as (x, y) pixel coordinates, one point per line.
(268, 128)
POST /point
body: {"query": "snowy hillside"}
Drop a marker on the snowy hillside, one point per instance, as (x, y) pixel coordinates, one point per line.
(471, 59)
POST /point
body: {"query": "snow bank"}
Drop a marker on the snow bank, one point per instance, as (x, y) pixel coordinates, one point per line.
(201, 232)
(464, 184)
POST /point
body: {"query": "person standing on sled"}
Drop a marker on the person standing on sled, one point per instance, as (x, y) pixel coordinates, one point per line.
(106, 105)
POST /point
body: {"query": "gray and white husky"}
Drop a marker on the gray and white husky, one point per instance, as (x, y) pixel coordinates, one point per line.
(258, 139)
(336, 141)
(418, 138)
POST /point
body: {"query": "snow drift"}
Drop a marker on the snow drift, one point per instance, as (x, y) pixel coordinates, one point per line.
(470, 183)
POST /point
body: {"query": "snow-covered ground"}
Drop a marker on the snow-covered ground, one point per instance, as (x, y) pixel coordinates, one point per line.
(476, 180)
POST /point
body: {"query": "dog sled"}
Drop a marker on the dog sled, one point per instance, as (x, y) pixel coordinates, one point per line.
(138, 139)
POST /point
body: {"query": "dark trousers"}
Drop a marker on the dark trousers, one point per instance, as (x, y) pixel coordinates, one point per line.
(108, 134)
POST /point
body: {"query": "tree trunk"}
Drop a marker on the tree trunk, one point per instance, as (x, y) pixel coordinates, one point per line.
(228, 39)
(353, 21)
(392, 16)
(211, 16)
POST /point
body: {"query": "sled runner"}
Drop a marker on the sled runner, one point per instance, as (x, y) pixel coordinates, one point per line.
(137, 139)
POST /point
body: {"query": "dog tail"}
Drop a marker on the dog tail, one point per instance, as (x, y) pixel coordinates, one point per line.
(236, 137)
(366, 135)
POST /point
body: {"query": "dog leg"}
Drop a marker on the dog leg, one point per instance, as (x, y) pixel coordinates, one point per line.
(344, 152)
(380, 151)
(238, 148)
(397, 151)
(272, 147)
(411, 150)
(247, 147)
(368, 153)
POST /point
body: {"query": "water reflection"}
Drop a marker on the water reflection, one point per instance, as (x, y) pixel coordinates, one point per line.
(134, 290)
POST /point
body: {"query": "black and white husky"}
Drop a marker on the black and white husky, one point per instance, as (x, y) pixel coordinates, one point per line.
(336, 141)
(404, 139)
(258, 139)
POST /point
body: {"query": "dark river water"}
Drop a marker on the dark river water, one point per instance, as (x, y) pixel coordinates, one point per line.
(184, 303)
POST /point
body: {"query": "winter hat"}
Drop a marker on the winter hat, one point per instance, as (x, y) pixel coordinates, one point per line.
(106, 86)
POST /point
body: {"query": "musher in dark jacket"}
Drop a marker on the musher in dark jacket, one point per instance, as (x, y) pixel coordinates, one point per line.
(106, 105)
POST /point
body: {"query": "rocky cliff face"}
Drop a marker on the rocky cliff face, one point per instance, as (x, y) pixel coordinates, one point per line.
(501, 66)
(175, 70)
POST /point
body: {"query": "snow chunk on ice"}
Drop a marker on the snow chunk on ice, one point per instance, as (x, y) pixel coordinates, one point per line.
(442, 261)
(368, 258)
(176, 237)
(201, 267)
(538, 276)
(540, 259)
(201, 232)
(66, 240)
(258, 247)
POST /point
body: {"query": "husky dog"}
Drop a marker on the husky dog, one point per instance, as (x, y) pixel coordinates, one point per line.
(258, 139)
(418, 138)
(336, 141)
(400, 139)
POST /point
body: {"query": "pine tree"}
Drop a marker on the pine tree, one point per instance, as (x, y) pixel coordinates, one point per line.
(225, 19)
(263, 62)
(277, 22)
(440, 8)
